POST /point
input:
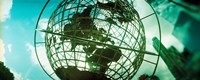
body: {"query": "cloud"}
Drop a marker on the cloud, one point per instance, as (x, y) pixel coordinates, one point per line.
(17, 76)
(2, 51)
(9, 46)
(30, 48)
(41, 51)
(5, 8)
(42, 57)
(43, 25)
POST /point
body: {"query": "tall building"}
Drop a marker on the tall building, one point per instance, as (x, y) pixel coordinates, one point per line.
(184, 15)
(171, 57)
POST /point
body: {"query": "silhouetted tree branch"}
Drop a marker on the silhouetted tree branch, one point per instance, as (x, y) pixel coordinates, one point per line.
(5, 73)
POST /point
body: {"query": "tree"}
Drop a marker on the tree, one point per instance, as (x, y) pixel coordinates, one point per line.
(5, 73)
(147, 77)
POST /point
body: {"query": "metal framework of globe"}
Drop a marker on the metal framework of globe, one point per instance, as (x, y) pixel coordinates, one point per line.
(95, 36)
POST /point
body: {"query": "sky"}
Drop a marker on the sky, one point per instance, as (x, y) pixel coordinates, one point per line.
(18, 25)
(18, 20)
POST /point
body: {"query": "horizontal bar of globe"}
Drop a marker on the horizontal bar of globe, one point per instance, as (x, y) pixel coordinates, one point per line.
(92, 42)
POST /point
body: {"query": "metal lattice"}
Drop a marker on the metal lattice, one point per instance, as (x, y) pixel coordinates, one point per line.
(101, 37)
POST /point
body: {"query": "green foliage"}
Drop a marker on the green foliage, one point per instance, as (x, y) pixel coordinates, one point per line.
(5, 73)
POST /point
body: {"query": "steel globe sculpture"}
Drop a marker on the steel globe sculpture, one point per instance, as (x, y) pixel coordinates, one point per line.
(95, 40)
